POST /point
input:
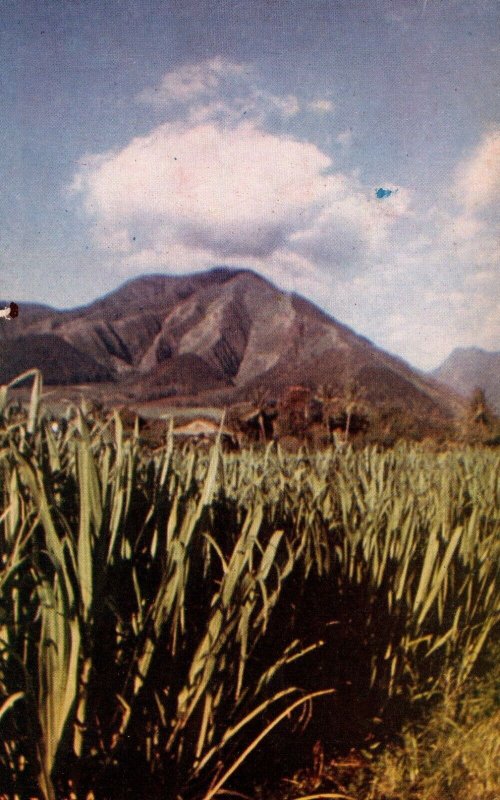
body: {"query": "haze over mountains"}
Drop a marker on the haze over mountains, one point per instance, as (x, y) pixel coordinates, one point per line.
(222, 333)
(468, 368)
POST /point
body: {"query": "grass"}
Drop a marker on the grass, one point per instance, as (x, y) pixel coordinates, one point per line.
(170, 620)
(451, 753)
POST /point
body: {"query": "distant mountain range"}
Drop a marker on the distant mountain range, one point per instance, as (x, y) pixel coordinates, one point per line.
(469, 368)
(220, 334)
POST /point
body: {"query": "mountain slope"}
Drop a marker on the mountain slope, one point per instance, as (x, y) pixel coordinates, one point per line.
(469, 368)
(224, 330)
(61, 363)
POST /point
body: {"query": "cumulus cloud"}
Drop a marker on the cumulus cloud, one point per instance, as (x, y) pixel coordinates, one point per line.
(217, 179)
(351, 228)
(233, 191)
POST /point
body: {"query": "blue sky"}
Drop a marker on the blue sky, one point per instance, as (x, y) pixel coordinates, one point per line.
(168, 136)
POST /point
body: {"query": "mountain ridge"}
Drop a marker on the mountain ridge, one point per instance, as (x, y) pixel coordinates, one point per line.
(470, 368)
(226, 330)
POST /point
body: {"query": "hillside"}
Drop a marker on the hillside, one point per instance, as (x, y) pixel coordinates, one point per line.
(227, 332)
(62, 364)
(468, 368)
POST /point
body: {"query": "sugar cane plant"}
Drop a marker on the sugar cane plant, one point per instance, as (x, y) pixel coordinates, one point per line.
(142, 593)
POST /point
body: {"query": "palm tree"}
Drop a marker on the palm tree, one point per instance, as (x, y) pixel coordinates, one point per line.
(326, 395)
(260, 400)
(357, 407)
(352, 396)
(257, 413)
(479, 421)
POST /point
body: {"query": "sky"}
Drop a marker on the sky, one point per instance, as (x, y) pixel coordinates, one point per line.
(170, 136)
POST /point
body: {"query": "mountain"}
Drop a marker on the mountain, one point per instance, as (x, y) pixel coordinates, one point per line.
(220, 334)
(60, 362)
(469, 368)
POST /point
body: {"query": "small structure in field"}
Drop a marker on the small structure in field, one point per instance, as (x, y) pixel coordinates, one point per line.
(204, 430)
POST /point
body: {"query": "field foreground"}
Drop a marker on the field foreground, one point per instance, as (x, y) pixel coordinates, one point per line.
(189, 624)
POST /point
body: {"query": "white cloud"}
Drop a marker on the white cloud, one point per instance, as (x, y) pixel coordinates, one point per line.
(344, 138)
(220, 90)
(192, 80)
(351, 228)
(236, 191)
(433, 285)
(322, 106)
(201, 193)
(289, 105)
(442, 288)
(477, 180)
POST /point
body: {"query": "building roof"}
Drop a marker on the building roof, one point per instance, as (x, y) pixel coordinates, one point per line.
(200, 427)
